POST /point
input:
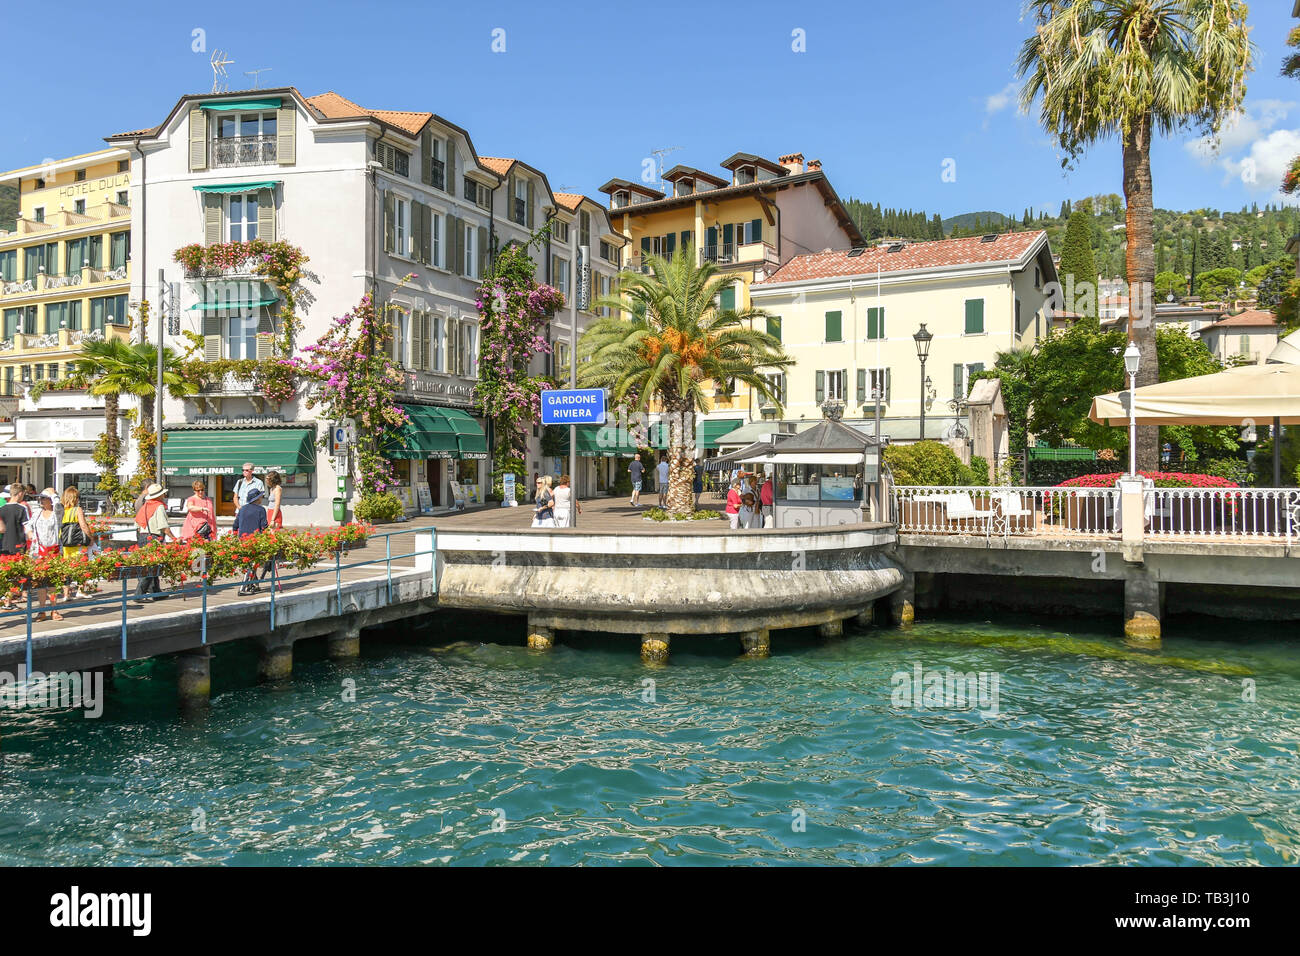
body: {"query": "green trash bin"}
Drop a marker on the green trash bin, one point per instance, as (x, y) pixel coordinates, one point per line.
(340, 509)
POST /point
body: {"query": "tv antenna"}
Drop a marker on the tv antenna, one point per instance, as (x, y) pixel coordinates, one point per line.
(255, 74)
(220, 78)
(661, 153)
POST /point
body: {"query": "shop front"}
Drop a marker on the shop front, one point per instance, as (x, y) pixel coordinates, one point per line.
(608, 447)
(216, 455)
(440, 451)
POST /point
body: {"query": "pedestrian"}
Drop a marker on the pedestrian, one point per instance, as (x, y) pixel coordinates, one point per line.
(661, 477)
(246, 484)
(697, 485)
(250, 519)
(273, 492)
(544, 513)
(747, 517)
(200, 515)
(636, 471)
(767, 495)
(151, 525)
(565, 503)
(733, 503)
(13, 523)
(43, 535)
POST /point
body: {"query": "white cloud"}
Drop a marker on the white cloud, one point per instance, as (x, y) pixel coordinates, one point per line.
(1241, 130)
(1250, 150)
(1000, 100)
(1262, 168)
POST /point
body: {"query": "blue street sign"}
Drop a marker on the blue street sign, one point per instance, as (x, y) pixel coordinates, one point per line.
(573, 406)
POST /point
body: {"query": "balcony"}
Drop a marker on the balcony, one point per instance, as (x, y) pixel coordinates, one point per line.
(242, 151)
(729, 253)
(64, 340)
(48, 283)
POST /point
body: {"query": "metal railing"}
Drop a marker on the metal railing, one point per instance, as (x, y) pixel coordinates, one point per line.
(204, 588)
(723, 252)
(1205, 513)
(243, 151)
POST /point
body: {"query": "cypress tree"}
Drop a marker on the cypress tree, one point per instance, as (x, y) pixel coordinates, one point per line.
(1076, 251)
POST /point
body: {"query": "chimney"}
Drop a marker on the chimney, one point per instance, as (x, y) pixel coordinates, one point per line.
(793, 162)
(814, 165)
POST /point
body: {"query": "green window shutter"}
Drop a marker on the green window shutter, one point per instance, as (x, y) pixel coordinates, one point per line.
(211, 219)
(686, 238)
(728, 233)
(974, 316)
(862, 386)
(417, 231)
(482, 251)
(727, 299)
(956, 381)
(198, 140)
(888, 383)
(875, 323)
(712, 237)
(74, 315)
(450, 243)
(528, 213)
(645, 245)
(833, 330)
(449, 183)
(426, 157)
(390, 222)
(286, 119)
(266, 215)
(774, 326)
(670, 245)
(757, 227)
(821, 387)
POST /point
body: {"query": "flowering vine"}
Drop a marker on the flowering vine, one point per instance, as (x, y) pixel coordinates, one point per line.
(513, 310)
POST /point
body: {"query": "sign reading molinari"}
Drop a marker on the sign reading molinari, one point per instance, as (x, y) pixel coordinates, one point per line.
(238, 419)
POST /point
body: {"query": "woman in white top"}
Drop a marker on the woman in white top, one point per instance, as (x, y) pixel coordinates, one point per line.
(565, 502)
(43, 540)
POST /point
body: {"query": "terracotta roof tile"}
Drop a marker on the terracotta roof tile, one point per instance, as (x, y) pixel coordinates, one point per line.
(1251, 317)
(333, 106)
(497, 164)
(940, 253)
(569, 201)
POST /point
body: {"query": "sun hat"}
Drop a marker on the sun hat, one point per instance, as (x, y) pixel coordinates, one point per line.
(253, 495)
(155, 490)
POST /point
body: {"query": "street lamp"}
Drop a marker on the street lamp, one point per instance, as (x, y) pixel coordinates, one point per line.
(1131, 361)
(922, 339)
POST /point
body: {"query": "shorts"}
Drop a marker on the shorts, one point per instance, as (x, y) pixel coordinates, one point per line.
(636, 486)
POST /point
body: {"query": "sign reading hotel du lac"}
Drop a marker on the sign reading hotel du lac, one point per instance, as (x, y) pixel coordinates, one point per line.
(573, 406)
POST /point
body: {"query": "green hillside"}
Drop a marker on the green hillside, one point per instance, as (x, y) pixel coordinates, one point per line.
(8, 206)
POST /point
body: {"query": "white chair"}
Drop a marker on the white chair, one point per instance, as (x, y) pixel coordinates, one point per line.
(960, 506)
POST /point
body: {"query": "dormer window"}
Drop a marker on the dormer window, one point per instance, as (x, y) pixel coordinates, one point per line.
(520, 211)
(744, 174)
(620, 198)
(684, 187)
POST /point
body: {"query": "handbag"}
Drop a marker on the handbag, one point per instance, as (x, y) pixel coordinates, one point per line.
(71, 535)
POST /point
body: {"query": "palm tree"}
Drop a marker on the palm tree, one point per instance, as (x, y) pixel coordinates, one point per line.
(1129, 69)
(673, 339)
(113, 368)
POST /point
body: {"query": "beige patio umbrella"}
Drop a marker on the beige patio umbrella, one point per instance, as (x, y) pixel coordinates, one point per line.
(1236, 396)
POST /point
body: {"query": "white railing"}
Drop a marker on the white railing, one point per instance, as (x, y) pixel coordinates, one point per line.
(1005, 511)
(1223, 512)
(1205, 513)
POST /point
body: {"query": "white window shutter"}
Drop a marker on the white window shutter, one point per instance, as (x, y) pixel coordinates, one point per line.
(285, 142)
(198, 140)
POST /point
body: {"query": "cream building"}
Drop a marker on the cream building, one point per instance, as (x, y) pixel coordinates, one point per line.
(1242, 339)
(848, 319)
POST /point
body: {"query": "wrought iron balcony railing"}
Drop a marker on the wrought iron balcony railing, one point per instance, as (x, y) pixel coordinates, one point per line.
(243, 151)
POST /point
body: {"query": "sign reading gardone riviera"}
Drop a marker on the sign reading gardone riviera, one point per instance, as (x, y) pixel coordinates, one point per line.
(573, 406)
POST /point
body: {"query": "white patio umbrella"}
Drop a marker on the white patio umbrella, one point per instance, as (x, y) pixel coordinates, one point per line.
(1236, 396)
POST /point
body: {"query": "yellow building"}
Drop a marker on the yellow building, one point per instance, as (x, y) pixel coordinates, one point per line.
(64, 278)
(757, 217)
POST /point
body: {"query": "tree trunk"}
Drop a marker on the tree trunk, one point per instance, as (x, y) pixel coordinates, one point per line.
(1140, 260)
(114, 440)
(681, 465)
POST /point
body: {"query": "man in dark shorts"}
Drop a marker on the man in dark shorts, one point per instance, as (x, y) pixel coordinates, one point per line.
(637, 471)
(13, 519)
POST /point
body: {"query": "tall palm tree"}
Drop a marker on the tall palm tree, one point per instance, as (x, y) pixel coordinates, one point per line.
(1131, 69)
(671, 339)
(113, 368)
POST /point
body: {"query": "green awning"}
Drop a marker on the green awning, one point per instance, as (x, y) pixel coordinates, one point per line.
(711, 429)
(266, 103)
(602, 441)
(231, 306)
(223, 451)
(436, 432)
(237, 187)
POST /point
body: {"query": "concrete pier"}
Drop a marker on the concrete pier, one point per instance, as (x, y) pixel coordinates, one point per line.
(275, 662)
(194, 678)
(1142, 600)
(866, 617)
(654, 647)
(540, 637)
(756, 643)
(831, 628)
(345, 643)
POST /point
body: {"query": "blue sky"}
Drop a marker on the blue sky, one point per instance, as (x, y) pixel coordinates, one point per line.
(883, 93)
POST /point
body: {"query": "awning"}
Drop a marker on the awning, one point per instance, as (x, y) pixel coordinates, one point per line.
(232, 306)
(808, 458)
(711, 429)
(1248, 393)
(81, 466)
(729, 461)
(266, 103)
(437, 432)
(602, 441)
(223, 451)
(236, 187)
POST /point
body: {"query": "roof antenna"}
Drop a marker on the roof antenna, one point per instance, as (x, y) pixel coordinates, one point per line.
(220, 79)
(661, 153)
(255, 74)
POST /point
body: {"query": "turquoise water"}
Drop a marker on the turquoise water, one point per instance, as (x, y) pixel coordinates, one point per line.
(470, 753)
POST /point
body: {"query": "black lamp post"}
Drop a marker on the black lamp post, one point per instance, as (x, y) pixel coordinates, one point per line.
(922, 339)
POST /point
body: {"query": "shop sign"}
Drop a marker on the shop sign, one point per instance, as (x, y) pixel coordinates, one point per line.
(241, 420)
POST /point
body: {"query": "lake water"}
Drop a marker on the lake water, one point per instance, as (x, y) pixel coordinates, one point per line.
(474, 753)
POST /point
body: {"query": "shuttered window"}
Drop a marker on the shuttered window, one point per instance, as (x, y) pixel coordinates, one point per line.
(974, 316)
(774, 326)
(876, 322)
(727, 299)
(833, 327)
